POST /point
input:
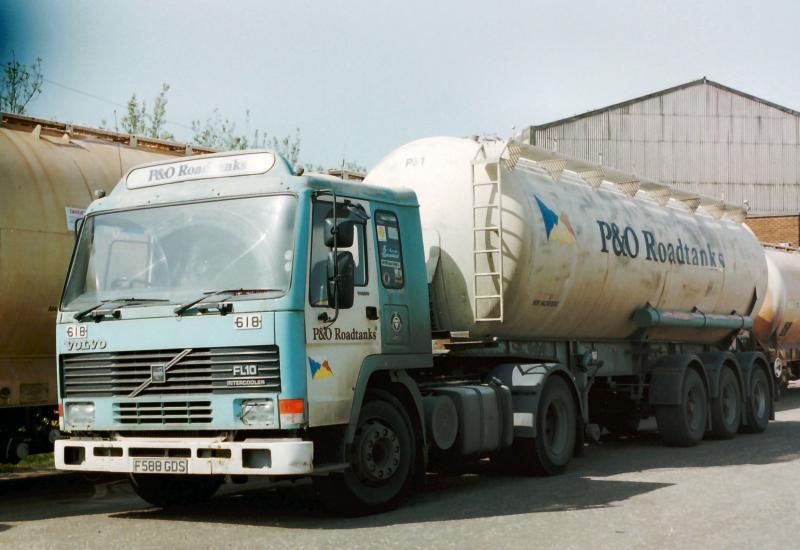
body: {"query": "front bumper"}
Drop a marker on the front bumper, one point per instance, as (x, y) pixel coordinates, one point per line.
(203, 456)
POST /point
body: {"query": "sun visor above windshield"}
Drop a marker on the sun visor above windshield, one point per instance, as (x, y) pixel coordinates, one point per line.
(204, 167)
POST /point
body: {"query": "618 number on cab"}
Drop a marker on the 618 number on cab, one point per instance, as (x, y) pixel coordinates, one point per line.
(247, 322)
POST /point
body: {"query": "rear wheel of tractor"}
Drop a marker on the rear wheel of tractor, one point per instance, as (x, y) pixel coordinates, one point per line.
(166, 490)
(726, 410)
(552, 449)
(382, 461)
(684, 425)
(758, 401)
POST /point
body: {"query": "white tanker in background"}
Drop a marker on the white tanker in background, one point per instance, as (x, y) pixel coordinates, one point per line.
(777, 326)
(48, 174)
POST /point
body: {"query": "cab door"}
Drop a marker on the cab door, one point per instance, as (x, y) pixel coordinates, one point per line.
(336, 350)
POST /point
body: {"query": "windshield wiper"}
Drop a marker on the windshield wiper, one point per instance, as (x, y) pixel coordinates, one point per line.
(224, 294)
(118, 303)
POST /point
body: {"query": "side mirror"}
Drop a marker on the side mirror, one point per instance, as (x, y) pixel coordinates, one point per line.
(344, 232)
(342, 290)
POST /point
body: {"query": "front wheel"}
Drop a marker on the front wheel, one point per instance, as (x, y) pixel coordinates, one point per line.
(381, 460)
(169, 490)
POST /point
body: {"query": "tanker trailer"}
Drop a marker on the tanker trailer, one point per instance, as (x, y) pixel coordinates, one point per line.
(777, 325)
(636, 290)
(48, 173)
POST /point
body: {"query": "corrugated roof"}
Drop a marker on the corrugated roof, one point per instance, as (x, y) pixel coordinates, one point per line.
(697, 82)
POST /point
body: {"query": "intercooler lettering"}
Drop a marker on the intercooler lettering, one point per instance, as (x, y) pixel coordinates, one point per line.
(626, 242)
(238, 382)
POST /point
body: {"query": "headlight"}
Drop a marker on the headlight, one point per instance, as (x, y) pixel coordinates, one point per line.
(258, 412)
(80, 415)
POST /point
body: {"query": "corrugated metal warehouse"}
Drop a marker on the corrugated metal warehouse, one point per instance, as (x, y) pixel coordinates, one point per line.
(701, 137)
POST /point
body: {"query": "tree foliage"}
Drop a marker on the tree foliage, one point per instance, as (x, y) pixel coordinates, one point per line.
(20, 84)
(138, 121)
(218, 132)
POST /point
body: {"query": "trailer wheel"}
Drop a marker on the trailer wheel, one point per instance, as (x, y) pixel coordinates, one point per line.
(552, 449)
(166, 490)
(758, 401)
(382, 461)
(726, 410)
(684, 425)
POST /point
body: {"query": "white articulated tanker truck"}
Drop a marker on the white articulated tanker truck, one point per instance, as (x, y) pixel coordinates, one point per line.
(227, 316)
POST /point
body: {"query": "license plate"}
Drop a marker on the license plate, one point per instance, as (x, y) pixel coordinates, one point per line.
(160, 466)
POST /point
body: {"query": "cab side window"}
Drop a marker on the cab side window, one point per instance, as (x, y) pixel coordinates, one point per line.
(318, 280)
(390, 251)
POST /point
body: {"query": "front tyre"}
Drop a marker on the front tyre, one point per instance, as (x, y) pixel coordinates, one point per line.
(166, 490)
(381, 458)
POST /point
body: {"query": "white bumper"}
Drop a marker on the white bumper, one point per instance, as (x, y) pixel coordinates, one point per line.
(205, 456)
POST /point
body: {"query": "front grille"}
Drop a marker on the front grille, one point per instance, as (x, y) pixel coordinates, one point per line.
(163, 412)
(202, 371)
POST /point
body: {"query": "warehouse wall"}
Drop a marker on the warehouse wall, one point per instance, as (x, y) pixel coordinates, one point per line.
(701, 137)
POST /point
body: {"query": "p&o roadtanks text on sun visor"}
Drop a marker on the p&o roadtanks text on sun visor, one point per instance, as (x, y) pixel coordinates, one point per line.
(247, 164)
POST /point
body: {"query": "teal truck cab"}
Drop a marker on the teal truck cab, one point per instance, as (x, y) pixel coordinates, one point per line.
(223, 318)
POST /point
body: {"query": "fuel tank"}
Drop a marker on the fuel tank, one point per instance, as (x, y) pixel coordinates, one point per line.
(525, 249)
(48, 174)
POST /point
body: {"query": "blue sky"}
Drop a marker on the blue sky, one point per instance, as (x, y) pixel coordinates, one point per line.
(360, 78)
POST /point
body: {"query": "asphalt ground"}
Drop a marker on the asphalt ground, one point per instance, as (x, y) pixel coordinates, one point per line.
(623, 493)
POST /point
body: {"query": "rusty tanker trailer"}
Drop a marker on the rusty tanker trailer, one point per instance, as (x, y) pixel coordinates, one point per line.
(49, 173)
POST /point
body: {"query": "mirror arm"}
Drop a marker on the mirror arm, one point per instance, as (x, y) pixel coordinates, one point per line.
(324, 315)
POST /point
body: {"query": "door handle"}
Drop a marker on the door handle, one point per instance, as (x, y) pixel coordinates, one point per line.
(372, 313)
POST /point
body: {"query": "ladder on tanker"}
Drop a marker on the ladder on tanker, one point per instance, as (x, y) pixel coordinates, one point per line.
(487, 258)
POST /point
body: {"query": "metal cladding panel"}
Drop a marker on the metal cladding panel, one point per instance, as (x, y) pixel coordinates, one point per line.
(699, 135)
(564, 275)
(40, 176)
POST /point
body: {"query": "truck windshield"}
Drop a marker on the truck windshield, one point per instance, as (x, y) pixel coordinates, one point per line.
(180, 251)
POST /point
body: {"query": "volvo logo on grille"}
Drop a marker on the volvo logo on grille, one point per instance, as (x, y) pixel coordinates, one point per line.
(158, 374)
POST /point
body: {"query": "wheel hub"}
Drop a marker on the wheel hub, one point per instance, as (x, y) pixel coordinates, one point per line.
(378, 453)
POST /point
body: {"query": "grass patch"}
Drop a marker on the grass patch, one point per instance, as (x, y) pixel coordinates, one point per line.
(39, 461)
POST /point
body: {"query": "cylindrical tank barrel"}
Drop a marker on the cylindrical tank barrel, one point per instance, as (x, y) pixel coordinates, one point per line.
(777, 325)
(47, 177)
(576, 260)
